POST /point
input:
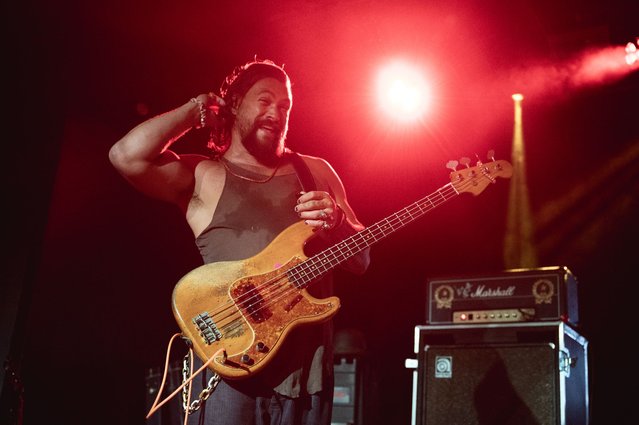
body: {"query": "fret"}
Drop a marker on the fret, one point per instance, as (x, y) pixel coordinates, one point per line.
(318, 265)
(325, 261)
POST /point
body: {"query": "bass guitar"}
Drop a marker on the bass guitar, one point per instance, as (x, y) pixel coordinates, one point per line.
(240, 312)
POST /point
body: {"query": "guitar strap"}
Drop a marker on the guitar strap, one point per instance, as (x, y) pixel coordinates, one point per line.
(303, 173)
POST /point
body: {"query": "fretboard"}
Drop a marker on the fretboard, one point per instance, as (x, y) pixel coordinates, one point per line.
(318, 265)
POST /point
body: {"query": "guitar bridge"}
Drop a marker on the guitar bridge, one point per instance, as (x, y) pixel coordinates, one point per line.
(207, 328)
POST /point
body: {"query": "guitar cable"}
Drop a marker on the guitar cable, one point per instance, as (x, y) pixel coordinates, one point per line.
(157, 405)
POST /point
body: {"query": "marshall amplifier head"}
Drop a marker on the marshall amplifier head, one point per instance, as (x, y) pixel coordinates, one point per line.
(518, 295)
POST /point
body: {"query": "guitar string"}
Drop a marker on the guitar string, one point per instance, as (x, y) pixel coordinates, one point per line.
(335, 256)
(285, 289)
(392, 221)
(271, 288)
(284, 286)
(276, 292)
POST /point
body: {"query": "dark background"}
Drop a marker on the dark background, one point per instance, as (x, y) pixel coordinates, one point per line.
(90, 264)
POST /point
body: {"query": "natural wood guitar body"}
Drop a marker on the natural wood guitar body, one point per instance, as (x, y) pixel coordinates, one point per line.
(252, 305)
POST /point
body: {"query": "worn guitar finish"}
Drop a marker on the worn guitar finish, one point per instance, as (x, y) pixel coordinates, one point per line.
(240, 312)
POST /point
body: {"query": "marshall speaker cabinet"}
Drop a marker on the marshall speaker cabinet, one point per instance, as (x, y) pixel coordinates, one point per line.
(505, 373)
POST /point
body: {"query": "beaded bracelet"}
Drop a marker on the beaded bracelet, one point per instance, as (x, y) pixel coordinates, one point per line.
(202, 107)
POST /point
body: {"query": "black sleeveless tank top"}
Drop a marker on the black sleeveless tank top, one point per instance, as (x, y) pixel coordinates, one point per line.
(248, 217)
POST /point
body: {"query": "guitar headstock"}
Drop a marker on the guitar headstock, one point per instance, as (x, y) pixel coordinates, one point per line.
(475, 179)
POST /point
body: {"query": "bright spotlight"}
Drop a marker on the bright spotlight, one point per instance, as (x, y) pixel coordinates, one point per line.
(518, 97)
(632, 55)
(402, 92)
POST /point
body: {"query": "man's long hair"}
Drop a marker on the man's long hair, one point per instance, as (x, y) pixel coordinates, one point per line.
(233, 89)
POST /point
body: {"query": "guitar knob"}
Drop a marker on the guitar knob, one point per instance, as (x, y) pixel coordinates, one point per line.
(246, 359)
(261, 347)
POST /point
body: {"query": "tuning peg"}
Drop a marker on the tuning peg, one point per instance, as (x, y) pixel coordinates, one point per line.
(491, 155)
(452, 164)
(465, 161)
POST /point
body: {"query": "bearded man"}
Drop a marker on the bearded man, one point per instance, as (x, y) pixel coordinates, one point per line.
(236, 201)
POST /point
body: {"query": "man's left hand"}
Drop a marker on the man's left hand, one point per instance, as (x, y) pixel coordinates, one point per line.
(318, 209)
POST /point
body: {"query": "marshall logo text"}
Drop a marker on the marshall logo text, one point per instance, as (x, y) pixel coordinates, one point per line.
(480, 291)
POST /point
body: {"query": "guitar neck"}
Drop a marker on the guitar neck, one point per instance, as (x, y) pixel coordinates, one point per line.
(318, 265)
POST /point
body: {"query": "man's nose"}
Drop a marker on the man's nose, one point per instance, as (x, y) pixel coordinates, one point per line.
(273, 113)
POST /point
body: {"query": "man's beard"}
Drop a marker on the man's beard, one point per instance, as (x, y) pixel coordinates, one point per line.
(267, 152)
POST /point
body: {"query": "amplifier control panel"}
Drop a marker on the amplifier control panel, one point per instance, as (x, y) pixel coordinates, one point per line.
(494, 316)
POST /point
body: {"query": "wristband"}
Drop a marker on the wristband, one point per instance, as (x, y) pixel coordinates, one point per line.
(202, 109)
